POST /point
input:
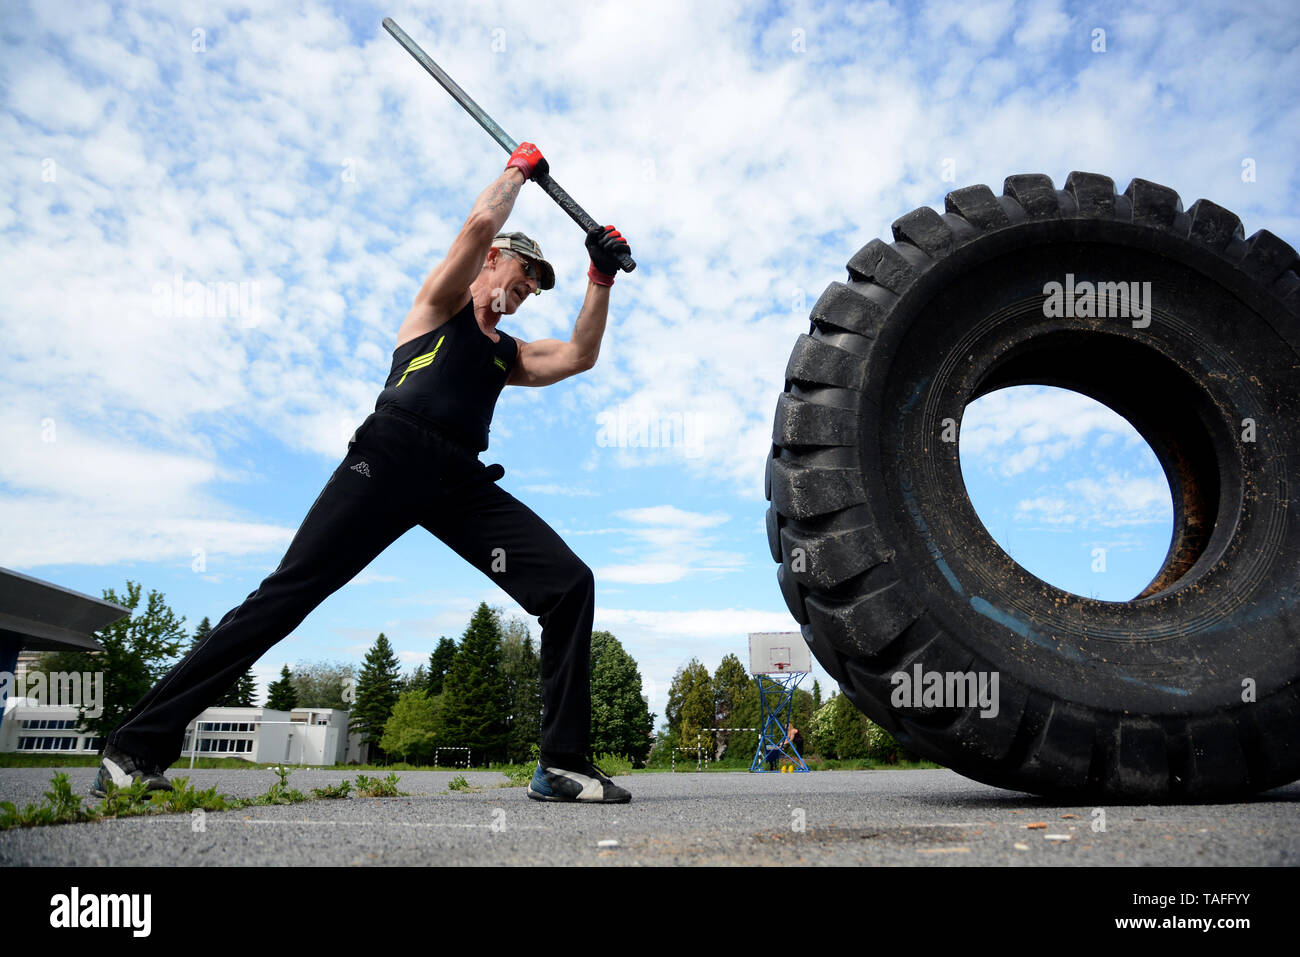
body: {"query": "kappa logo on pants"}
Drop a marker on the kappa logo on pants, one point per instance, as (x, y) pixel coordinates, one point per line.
(363, 468)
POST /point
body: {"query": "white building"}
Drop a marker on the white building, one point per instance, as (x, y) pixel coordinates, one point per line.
(312, 736)
(42, 729)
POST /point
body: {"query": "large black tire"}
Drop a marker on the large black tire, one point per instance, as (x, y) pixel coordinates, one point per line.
(1189, 691)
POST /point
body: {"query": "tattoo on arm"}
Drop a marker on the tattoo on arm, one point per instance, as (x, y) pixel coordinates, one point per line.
(503, 195)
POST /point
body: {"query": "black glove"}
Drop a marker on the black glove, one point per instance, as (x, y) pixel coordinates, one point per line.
(606, 246)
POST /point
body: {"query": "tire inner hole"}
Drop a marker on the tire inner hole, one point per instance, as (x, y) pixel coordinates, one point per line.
(1068, 488)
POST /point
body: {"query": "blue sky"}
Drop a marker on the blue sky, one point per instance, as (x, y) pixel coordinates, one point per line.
(745, 150)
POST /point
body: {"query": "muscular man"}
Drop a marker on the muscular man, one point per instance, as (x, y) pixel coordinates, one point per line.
(415, 461)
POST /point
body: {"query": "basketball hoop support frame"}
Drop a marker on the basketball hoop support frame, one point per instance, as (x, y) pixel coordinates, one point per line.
(776, 693)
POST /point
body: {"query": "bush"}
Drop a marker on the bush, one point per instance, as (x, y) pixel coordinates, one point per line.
(614, 764)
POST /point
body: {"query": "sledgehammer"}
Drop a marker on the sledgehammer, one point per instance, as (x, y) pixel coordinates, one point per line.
(552, 188)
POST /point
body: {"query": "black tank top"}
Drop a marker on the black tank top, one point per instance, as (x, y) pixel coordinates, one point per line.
(452, 377)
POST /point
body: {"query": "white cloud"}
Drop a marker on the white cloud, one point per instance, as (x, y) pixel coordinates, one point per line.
(572, 491)
(75, 496)
(1111, 501)
(1043, 22)
(1015, 430)
(669, 544)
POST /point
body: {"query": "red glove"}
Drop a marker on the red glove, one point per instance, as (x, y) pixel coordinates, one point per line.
(528, 159)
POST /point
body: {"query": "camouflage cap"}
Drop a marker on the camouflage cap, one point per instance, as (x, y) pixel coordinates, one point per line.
(524, 246)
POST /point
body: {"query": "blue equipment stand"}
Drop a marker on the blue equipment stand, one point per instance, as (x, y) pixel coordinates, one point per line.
(776, 692)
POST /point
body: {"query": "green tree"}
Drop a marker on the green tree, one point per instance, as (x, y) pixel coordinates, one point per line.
(730, 682)
(376, 693)
(621, 721)
(280, 695)
(523, 673)
(746, 712)
(476, 700)
(817, 695)
(138, 651)
(412, 729)
(321, 684)
(439, 664)
(690, 707)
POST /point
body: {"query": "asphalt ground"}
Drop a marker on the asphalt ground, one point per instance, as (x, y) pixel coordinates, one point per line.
(930, 818)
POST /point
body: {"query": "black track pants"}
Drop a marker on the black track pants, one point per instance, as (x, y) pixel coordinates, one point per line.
(396, 475)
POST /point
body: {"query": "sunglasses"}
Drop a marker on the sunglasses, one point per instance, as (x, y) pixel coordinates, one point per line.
(530, 269)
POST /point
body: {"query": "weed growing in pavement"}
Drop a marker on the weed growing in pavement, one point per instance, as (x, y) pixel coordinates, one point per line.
(62, 806)
(340, 790)
(378, 787)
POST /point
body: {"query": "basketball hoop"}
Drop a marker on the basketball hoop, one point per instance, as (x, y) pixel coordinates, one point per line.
(778, 661)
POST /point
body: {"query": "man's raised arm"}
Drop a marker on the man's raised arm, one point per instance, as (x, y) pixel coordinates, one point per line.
(549, 360)
(446, 286)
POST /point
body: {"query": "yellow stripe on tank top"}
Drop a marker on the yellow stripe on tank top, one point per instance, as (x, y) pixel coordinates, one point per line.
(419, 362)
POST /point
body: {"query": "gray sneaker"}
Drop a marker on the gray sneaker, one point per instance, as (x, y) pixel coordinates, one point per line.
(123, 770)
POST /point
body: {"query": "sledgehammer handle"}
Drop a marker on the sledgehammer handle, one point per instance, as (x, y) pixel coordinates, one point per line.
(550, 186)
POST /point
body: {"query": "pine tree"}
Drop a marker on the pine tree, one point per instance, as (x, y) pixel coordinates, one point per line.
(202, 631)
(476, 700)
(280, 695)
(246, 690)
(417, 679)
(621, 721)
(817, 695)
(376, 692)
(439, 664)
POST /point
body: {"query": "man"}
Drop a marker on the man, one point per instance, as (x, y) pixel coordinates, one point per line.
(415, 461)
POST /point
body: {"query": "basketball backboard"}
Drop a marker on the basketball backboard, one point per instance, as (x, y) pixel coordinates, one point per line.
(778, 653)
